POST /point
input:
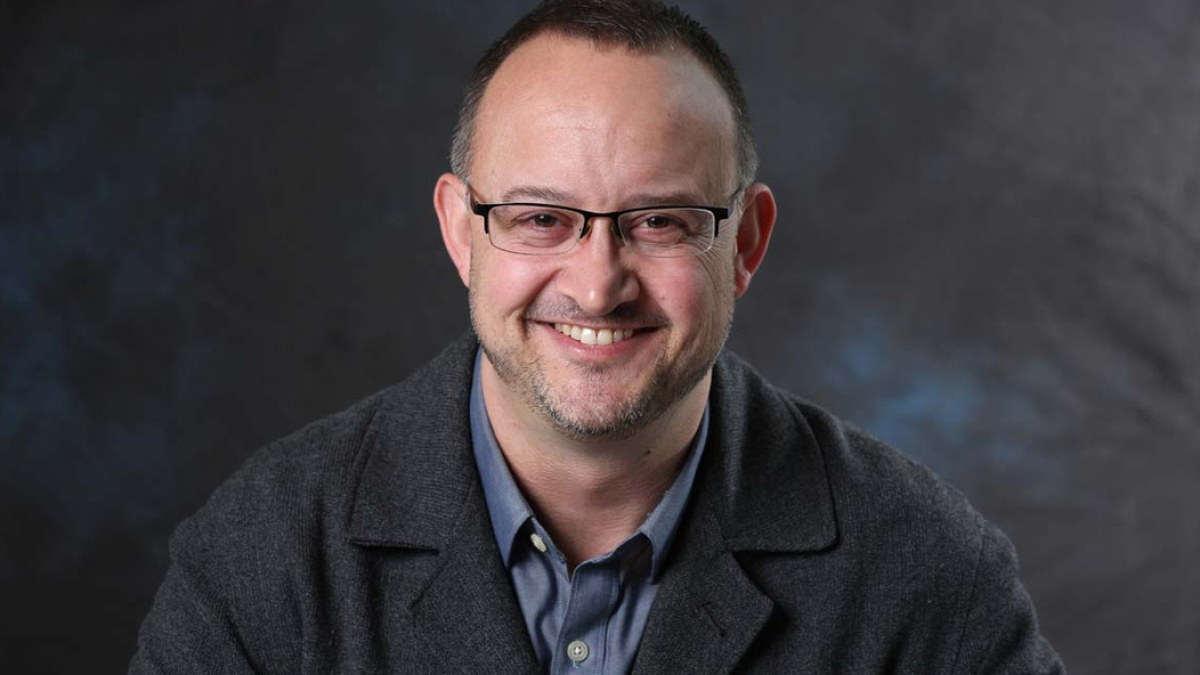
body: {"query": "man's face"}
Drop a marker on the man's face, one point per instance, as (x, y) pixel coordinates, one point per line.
(601, 128)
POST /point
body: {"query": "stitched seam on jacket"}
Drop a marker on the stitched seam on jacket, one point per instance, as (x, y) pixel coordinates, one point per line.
(357, 468)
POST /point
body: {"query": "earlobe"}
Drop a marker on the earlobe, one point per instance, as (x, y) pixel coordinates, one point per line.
(449, 200)
(753, 235)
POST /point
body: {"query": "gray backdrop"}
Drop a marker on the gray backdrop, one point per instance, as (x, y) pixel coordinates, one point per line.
(215, 225)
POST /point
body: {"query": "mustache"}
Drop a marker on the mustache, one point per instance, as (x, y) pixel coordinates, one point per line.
(568, 311)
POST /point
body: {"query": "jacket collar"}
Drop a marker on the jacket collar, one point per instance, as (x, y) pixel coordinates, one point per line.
(767, 484)
(414, 468)
(762, 479)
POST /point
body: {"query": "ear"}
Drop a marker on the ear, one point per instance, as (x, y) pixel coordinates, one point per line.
(450, 202)
(753, 234)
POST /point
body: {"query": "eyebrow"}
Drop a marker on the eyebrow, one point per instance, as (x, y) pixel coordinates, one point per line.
(551, 195)
(657, 198)
(545, 194)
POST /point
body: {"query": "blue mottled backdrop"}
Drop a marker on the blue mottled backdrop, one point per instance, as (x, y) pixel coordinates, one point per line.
(215, 225)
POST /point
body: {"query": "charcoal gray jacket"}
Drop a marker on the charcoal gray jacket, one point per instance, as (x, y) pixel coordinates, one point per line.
(361, 544)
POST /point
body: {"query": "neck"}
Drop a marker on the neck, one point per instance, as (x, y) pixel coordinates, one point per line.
(591, 494)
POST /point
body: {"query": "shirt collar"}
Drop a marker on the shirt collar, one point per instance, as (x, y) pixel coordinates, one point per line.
(662, 523)
(509, 511)
(506, 505)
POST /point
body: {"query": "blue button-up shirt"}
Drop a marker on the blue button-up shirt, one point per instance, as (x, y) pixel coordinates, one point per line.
(590, 622)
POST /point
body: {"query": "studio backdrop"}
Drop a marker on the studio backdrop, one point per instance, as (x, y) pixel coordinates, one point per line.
(216, 226)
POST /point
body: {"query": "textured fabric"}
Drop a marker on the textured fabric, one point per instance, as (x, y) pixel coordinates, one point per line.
(606, 602)
(361, 544)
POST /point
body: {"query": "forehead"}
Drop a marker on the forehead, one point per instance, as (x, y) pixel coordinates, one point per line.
(599, 121)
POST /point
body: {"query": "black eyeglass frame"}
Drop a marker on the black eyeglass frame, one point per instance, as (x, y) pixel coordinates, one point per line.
(482, 209)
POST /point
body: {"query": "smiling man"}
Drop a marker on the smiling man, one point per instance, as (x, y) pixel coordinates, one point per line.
(586, 483)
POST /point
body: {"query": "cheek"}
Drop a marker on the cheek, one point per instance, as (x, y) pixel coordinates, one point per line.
(502, 285)
(717, 268)
(692, 294)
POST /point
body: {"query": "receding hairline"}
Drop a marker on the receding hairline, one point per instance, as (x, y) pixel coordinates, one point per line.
(669, 46)
(640, 27)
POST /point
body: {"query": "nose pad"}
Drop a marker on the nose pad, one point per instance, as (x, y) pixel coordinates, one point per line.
(618, 236)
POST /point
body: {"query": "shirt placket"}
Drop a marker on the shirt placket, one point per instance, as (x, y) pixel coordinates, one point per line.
(583, 636)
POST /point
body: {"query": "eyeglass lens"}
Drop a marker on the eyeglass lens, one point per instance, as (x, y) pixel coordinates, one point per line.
(543, 230)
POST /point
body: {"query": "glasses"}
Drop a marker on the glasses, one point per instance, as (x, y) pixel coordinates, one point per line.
(671, 231)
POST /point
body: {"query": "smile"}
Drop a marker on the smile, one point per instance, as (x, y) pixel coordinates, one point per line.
(593, 336)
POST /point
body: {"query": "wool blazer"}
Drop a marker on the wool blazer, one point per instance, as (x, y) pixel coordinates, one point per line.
(361, 544)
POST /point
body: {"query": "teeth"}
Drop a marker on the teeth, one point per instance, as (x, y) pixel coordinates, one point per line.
(593, 336)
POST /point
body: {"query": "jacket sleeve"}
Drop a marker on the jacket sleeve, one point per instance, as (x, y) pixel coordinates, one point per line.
(190, 628)
(1001, 636)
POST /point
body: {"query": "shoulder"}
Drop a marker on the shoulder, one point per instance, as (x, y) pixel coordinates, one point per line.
(905, 561)
(295, 477)
(880, 489)
(269, 558)
(302, 483)
(882, 499)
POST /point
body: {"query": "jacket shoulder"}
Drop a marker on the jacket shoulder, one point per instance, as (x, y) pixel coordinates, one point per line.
(882, 498)
(287, 478)
(914, 578)
(249, 570)
(313, 469)
(881, 487)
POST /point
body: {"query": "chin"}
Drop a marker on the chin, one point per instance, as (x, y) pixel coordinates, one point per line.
(618, 415)
(621, 426)
(594, 419)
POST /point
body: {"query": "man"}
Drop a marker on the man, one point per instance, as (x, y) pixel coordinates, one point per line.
(586, 484)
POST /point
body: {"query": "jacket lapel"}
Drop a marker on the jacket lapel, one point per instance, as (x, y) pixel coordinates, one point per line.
(468, 614)
(707, 612)
(762, 487)
(418, 493)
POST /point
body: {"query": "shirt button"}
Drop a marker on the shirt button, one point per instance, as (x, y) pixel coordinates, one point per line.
(577, 651)
(538, 542)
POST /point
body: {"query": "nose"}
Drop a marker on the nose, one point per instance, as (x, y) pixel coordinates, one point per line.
(597, 274)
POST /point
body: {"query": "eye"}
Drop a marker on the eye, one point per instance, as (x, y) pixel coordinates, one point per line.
(535, 222)
(537, 219)
(532, 228)
(669, 229)
(543, 220)
(657, 229)
(658, 222)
